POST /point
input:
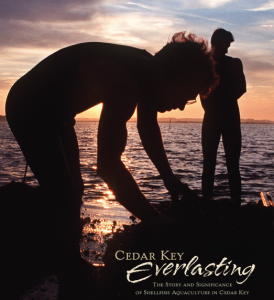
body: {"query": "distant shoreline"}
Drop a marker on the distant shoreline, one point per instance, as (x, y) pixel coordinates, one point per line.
(182, 120)
(168, 120)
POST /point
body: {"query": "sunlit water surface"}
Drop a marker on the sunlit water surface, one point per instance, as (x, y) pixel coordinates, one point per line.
(183, 146)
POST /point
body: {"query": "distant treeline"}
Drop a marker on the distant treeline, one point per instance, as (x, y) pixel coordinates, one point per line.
(183, 120)
(169, 120)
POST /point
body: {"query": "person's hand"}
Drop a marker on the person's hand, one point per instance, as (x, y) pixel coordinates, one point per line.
(176, 188)
(174, 185)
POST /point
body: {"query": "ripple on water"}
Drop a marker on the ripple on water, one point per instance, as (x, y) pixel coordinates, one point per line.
(182, 142)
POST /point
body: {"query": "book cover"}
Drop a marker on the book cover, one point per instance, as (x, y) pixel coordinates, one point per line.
(213, 249)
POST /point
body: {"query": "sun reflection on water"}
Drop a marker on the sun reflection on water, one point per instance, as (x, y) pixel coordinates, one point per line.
(94, 237)
(183, 146)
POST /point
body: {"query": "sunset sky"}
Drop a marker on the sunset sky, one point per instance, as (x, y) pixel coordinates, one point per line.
(30, 30)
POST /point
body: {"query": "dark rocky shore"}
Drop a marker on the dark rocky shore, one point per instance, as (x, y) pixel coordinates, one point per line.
(207, 233)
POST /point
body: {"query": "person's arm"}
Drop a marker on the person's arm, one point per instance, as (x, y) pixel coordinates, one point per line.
(239, 77)
(151, 138)
(112, 136)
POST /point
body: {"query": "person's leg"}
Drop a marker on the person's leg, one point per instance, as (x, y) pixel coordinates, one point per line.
(71, 150)
(232, 145)
(210, 141)
(46, 150)
(42, 147)
(52, 154)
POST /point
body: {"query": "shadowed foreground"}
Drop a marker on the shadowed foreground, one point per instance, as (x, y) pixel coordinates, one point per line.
(210, 231)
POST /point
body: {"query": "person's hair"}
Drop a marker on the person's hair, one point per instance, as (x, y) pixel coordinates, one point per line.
(221, 36)
(185, 57)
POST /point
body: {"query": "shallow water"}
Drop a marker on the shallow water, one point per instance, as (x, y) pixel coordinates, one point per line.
(183, 146)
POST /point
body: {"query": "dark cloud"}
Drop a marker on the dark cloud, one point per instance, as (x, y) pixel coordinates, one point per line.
(253, 62)
(42, 35)
(30, 30)
(256, 66)
(47, 23)
(47, 10)
(258, 72)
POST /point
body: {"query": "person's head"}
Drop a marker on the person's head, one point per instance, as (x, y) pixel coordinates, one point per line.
(220, 41)
(183, 69)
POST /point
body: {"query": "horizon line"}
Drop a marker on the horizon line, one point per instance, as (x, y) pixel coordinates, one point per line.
(168, 120)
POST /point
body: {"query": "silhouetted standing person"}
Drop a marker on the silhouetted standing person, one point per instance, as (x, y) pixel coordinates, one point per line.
(222, 117)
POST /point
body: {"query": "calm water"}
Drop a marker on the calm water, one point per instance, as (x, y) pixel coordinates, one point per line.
(183, 146)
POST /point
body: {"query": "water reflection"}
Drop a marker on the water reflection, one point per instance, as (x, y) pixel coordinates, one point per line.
(183, 146)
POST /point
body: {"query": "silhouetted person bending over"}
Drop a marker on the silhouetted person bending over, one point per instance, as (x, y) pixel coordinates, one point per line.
(222, 116)
(41, 107)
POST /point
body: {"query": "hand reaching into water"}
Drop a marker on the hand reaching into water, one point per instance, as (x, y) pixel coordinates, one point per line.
(176, 188)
